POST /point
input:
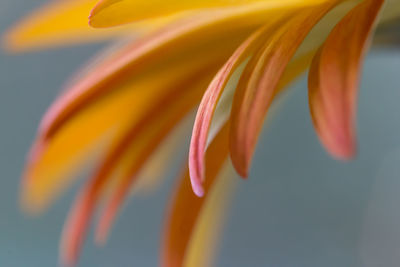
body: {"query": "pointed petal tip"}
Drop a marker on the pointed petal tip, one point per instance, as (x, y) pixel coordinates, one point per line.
(240, 163)
(242, 170)
(344, 152)
(196, 178)
(93, 21)
(197, 189)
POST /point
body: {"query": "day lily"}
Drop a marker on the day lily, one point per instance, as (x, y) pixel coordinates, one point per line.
(227, 59)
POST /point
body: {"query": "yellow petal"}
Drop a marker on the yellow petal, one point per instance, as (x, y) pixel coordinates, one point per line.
(115, 12)
(125, 76)
(64, 23)
(170, 43)
(186, 209)
(127, 157)
(53, 162)
(203, 245)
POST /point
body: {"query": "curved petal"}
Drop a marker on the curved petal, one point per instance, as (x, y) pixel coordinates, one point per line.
(127, 157)
(210, 100)
(183, 39)
(185, 208)
(334, 79)
(129, 84)
(115, 12)
(258, 85)
(65, 23)
(161, 123)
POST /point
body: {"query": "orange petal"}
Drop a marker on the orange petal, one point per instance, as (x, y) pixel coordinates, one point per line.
(180, 40)
(204, 242)
(186, 207)
(85, 136)
(160, 124)
(101, 104)
(259, 83)
(132, 150)
(334, 79)
(209, 103)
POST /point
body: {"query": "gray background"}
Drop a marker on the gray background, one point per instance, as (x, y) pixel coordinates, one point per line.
(300, 207)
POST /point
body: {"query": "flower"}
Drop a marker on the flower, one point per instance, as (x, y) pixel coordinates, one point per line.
(120, 111)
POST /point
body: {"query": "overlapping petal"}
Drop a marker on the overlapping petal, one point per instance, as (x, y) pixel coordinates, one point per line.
(208, 105)
(61, 23)
(198, 33)
(127, 157)
(125, 77)
(115, 12)
(123, 109)
(258, 84)
(185, 208)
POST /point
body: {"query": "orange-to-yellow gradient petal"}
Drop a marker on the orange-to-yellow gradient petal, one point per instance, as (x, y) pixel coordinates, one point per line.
(115, 12)
(212, 96)
(185, 207)
(154, 127)
(334, 79)
(122, 83)
(198, 33)
(259, 83)
(126, 157)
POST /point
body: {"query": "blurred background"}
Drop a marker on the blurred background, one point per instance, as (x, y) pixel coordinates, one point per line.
(300, 207)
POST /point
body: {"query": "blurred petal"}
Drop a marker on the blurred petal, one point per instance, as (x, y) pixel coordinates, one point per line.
(115, 12)
(127, 156)
(121, 82)
(259, 83)
(203, 244)
(334, 79)
(49, 171)
(177, 41)
(160, 123)
(64, 23)
(159, 164)
(186, 207)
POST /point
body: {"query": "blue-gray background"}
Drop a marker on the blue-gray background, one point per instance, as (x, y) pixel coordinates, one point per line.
(300, 207)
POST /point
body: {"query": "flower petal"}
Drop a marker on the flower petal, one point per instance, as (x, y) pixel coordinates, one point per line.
(177, 41)
(115, 12)
(81, 140)
(209, 103)
(334, 79)
(258, 84)
(49, 171)
(65, 23)
(128, 156)
(205, 238)
(185, 208)
(165, 119)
